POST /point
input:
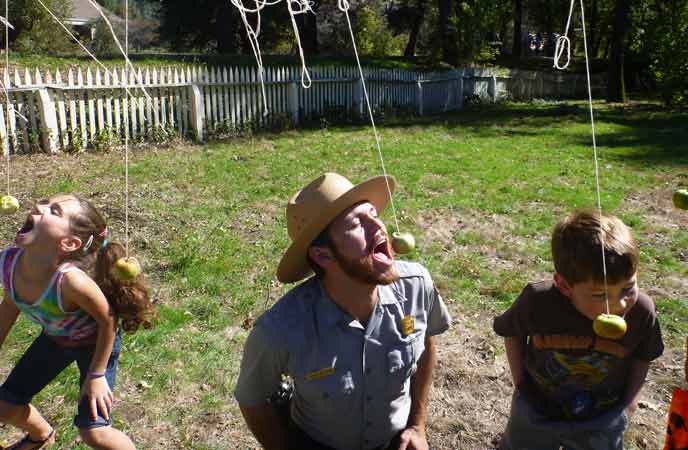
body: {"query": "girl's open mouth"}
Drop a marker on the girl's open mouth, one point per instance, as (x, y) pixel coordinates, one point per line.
(24, 230)
(28, 226)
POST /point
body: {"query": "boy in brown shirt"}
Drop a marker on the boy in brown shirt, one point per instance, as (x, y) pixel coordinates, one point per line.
(573, 388)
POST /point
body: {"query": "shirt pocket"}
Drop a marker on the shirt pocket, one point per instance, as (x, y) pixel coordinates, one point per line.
(402, 364)
(327, 385)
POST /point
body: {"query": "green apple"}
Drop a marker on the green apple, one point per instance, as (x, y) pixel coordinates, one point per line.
(609, 326)
(126, 269)
(403, 243)
(8, 204)
(681, 198)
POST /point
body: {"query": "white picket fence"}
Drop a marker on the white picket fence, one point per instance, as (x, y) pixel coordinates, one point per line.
(74, 110)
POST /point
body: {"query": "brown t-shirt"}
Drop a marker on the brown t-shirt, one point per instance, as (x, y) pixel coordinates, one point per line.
(570, 372)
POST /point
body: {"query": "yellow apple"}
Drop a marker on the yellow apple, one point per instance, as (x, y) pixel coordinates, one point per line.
(126, 269)
(609, 326)
(681, 198)
(8, 204)
(403, 243)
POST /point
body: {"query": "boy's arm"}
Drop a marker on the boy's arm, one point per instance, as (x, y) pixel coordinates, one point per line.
(636, 379)
(516, 354)
(82, 291)
(8, 316)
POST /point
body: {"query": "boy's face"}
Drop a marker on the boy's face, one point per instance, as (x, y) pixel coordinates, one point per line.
(589, 299)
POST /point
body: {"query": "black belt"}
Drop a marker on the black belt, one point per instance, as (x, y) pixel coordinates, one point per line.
(300, 440)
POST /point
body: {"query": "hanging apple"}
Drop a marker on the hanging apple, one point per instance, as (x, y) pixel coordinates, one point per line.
(681, 198)
(403, 243)
(8, 204)
(126, 269)
(609, 326)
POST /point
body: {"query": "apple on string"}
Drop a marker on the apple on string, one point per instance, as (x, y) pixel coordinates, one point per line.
(609, 326)
(680, 198)
(126, 269)
(403, 242)
(8, 204)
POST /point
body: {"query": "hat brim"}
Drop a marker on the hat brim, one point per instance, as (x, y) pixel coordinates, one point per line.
(294, 265)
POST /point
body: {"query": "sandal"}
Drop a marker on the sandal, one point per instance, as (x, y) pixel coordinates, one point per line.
(33, 445)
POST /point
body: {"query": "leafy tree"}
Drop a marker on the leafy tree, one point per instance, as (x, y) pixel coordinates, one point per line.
(518, 30)
(35, 29)
(662, 43)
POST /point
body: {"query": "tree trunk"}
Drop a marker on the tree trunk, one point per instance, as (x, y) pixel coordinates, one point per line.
(415, 29)
(593, 25)
(308, 30)
(616, 87)
(446, 40)
(517, 49)
(225, 28)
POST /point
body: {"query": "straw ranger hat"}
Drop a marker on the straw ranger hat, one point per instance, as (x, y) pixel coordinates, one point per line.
(315, 206)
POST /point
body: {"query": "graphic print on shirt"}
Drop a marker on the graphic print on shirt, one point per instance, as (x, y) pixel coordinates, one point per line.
(573, 373)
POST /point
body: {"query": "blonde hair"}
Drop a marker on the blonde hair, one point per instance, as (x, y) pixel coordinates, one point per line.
(577, 248)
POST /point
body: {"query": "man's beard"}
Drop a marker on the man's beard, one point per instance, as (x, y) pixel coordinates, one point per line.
(363, 269)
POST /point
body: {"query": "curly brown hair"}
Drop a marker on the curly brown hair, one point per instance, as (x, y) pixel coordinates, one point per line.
(129, 300)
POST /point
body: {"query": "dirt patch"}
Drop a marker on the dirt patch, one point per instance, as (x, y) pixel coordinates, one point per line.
(657, 207)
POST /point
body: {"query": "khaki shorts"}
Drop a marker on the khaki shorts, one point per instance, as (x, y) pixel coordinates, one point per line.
(529, 430)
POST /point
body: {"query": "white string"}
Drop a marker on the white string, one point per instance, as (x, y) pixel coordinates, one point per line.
(7, 97)
(125, 51)
(119, 46)
(302, 7)
(64, 27)
(344, 7)
(566, 42)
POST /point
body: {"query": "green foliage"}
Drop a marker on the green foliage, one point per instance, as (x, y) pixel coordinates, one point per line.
(104, 43)
(104, 140)
(36, 30)
(373, 36)
(669, 57)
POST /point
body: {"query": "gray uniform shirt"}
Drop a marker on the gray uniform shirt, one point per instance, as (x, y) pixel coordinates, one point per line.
(352, 383)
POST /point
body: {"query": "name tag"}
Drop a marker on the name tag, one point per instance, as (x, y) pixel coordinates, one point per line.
(408, 325)
(322, 373)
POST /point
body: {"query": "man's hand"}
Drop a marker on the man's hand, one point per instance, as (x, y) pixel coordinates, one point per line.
(413, 438)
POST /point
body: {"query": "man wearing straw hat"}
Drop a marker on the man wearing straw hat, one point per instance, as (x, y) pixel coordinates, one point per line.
(358, 338)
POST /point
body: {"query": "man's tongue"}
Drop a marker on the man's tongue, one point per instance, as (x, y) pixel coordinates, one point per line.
(381, 253)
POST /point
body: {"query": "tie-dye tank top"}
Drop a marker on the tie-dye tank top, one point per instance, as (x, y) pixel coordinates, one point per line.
(66, 327)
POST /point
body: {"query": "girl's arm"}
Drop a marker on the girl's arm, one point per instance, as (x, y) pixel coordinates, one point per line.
(8, 316)
(79, 289)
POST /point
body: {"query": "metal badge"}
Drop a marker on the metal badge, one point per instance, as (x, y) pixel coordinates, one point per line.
(322, 373)
(408, 325)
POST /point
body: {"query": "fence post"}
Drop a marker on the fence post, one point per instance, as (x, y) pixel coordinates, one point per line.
(46, 109)
(197, 111)
(541, 83)
(358, 98)
(3, 135)
(293, 101)
(419, 97)
(460, 76)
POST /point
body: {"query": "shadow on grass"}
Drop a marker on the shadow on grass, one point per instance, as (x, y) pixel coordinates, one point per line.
(645, 134)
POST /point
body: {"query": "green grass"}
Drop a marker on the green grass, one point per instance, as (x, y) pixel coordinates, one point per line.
(481, 190)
